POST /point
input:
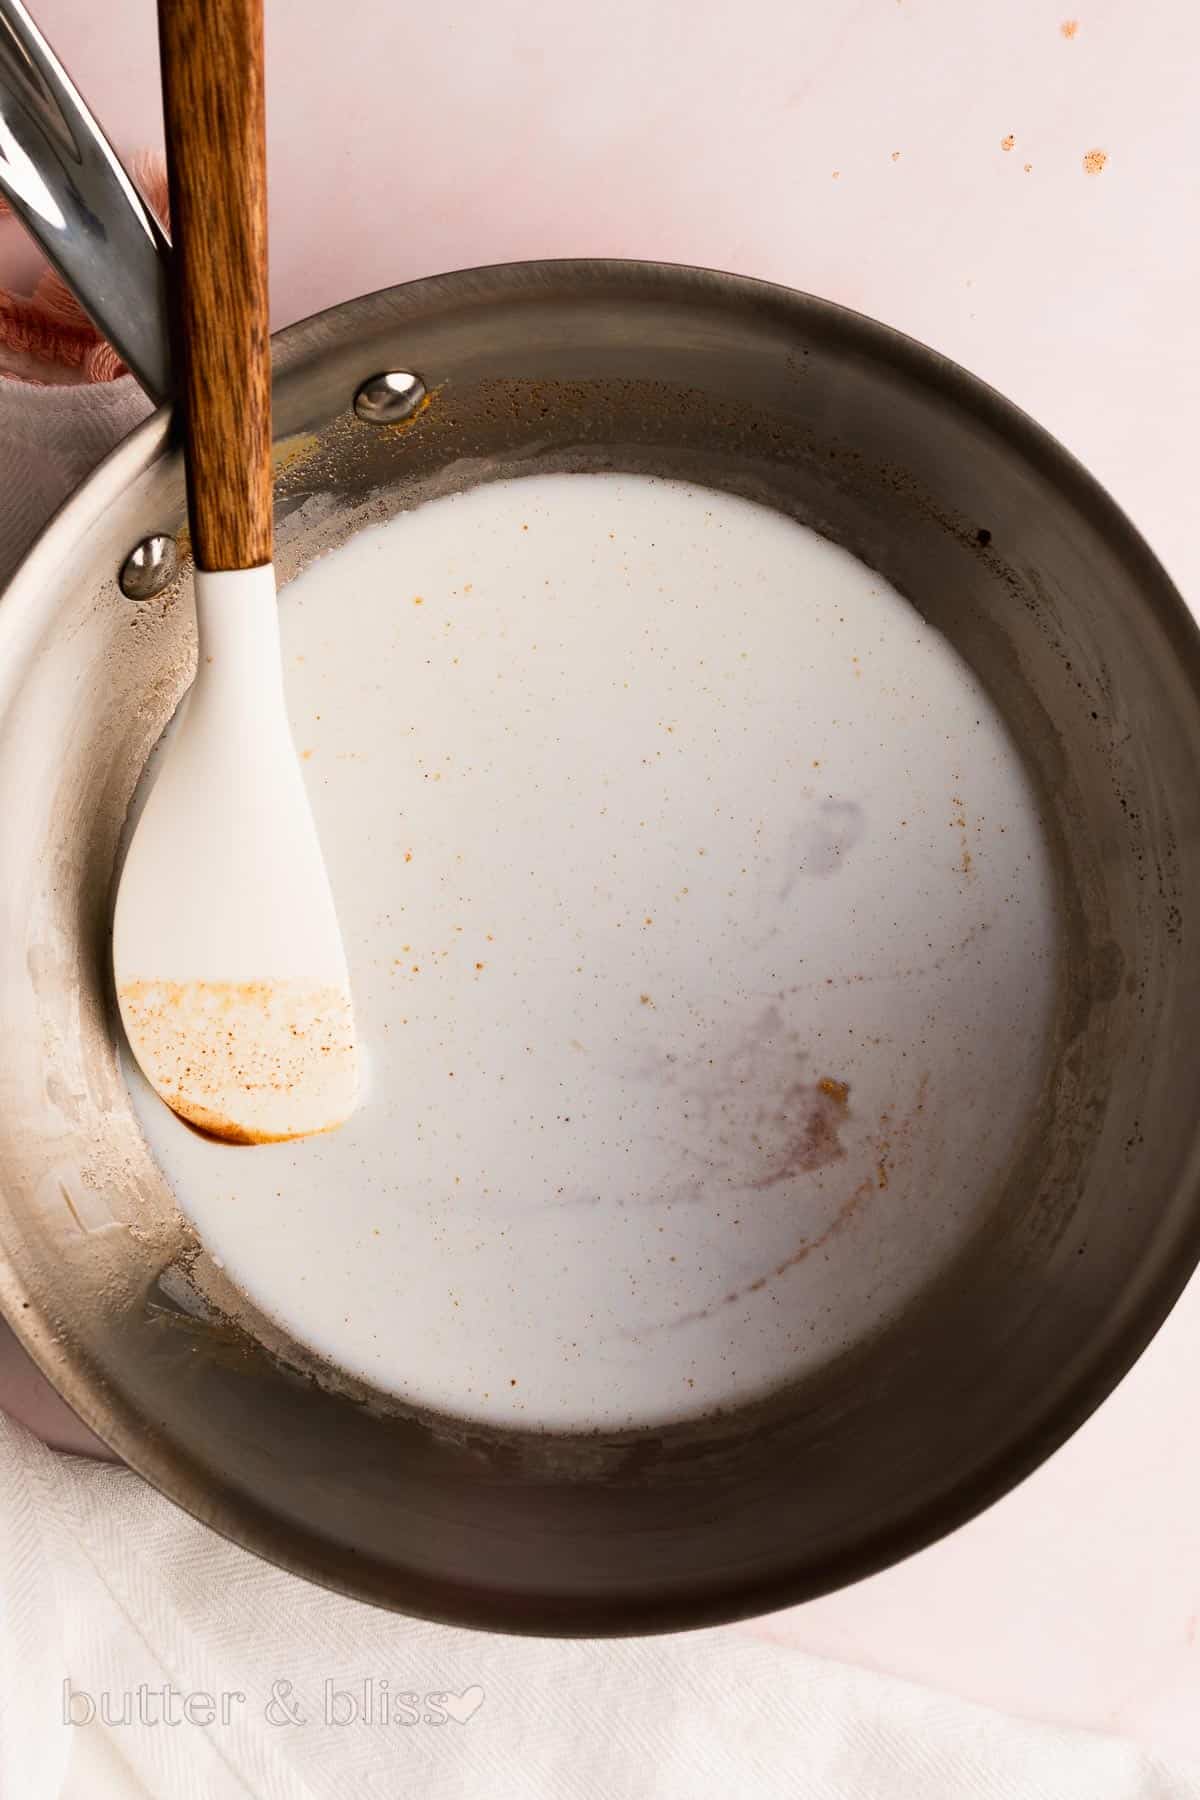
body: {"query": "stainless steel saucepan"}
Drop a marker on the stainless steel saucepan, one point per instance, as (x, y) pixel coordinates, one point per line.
(1005, 544)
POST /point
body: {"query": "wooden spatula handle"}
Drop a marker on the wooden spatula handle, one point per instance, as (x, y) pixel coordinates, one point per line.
(212, 68)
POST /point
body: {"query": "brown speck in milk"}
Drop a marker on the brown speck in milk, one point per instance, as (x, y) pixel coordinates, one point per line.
(408, 856)
(895, 156)
(1069, 27)
(1006, 143)
(1029, 168)
(837, 174)
(479, 965)
(306, 754)
(1094, 161)
(418, 599)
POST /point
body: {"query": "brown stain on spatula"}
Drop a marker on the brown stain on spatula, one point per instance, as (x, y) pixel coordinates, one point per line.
(214, 1050)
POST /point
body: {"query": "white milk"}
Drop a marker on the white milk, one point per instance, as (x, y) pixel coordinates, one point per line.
(702, 934)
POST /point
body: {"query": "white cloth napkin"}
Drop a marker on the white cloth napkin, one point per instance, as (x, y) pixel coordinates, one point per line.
(110, 1589)
(125, 1625)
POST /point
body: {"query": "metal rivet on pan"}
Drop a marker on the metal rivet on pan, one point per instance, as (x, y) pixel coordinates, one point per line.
(150, 568)
(388, 399)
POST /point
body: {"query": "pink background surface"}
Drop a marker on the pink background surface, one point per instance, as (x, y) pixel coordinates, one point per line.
(408, 140)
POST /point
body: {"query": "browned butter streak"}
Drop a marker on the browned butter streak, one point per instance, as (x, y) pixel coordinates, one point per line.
(891, 1139)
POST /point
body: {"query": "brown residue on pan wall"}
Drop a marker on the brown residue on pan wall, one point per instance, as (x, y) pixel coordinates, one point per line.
(292, 452)
(397, 426)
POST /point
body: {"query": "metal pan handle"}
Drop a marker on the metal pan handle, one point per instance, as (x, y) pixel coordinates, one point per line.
(64, 181)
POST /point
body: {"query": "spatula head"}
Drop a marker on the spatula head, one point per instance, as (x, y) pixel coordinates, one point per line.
(230, 971)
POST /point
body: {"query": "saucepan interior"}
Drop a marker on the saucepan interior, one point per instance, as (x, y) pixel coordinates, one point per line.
(1015, 555)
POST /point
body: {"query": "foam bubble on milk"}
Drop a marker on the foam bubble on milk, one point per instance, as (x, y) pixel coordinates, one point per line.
(702, 935)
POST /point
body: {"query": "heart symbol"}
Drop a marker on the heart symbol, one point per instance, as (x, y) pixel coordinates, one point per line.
(464, 1706)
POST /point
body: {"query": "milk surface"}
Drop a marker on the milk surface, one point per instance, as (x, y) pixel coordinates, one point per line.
(702, 933)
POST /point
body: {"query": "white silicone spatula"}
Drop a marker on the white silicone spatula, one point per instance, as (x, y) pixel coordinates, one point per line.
(230, 971)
